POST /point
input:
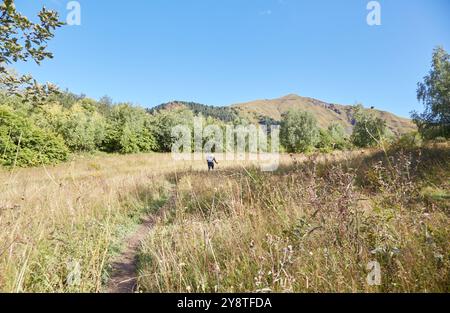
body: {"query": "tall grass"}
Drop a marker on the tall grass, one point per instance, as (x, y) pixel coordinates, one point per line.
(54, 221)
(312, 226)
(61, 226)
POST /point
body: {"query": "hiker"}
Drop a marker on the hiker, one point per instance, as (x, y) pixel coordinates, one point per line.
(211, 160)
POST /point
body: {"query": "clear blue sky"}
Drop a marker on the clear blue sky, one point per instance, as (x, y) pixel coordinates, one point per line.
(221, 52)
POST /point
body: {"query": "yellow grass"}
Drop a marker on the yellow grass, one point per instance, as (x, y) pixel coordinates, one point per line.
(228, 231)
(51, 217)
(54, 217)
(314, 227)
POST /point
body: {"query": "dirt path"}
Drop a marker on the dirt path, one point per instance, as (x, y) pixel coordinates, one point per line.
(124, 274)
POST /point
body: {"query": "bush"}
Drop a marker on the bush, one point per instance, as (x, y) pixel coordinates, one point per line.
(165, 121)
(81, 126)
(440, 139)
(299, 131)
(326, 141)
(369, 130)
(129, 130)
(333, 138)
(24, 144)
(408, 141)
(83, 130)
(339, 137)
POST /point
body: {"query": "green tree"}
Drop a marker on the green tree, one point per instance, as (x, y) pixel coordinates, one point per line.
(368, 130)
(333, 138)
(22, 40)
(165, 121)
(299, 131)
(434, 92)
(105, 104)
(129, 130)
(339, 138)
(325, 143)
(24, 144)
(83, 129)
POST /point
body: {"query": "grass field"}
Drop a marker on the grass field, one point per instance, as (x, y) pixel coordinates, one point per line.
(77, 212)
(311, 226)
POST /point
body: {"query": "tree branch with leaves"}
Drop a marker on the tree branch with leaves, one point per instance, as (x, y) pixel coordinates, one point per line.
(434, 93)
(24, 40)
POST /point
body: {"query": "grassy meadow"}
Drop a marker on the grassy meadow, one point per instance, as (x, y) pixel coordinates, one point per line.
(76, 212)
(311, 226)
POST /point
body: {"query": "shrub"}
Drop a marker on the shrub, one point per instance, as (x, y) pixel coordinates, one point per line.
(325, 142)
(408, 141)
(24, 144)
(339, 137)
(333, 138)
(81, 126)
(164, 122)
(440, 139)
(129, 130)
(369, 130)
(83, 130)
(299, 131)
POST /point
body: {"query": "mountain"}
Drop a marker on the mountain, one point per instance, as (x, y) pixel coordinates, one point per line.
(270, 112)
(325, 113)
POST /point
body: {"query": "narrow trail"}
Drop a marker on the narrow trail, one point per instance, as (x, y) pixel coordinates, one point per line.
(124, 275)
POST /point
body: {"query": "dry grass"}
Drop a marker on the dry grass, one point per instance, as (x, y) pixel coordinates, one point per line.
(310, 227)
(75, 212)
(53, 217)
(307, 227)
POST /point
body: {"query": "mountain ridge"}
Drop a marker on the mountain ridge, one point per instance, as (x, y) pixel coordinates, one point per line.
(264, 110)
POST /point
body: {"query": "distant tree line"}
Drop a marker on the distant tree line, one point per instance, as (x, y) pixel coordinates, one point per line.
(226, 114)
(300, 132)
(67, 123)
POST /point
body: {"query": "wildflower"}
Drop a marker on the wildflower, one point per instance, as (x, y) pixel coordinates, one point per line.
(377, 250)
(395, 251)
(439, 257)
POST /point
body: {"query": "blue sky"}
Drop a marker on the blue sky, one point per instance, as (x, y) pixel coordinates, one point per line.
(222, 52)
